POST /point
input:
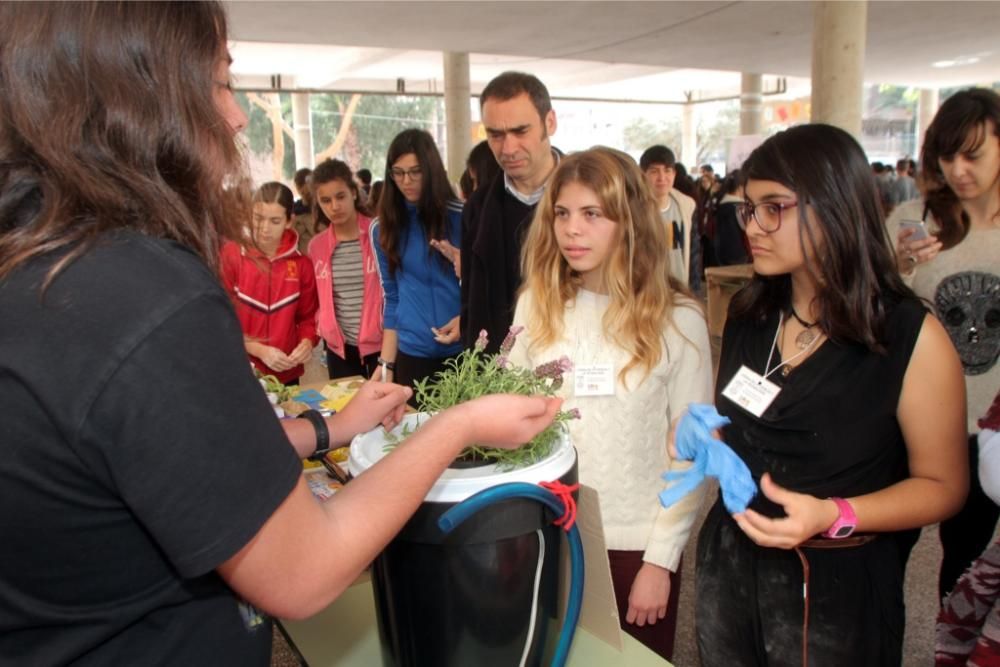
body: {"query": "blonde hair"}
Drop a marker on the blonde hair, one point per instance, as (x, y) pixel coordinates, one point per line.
(635, 275)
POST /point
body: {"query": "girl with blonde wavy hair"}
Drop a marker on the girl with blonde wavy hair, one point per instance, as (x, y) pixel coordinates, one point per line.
(597, 290)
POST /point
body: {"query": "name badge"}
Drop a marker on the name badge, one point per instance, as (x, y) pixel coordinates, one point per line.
(751, 391)
(594, 380)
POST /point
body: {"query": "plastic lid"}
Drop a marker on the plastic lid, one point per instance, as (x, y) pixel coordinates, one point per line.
(457, 484)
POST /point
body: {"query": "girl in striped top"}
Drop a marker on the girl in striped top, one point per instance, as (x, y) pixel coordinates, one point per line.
(350, 295)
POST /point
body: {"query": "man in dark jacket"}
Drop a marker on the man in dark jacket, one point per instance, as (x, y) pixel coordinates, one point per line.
(518, 117)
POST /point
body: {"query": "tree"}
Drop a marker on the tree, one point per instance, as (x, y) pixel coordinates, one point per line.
(375, 121)
(352, 127)
(262, 133)
(640, 134)
(716, 125)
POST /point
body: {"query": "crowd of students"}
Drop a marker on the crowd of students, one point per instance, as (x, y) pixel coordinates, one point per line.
(844, 373)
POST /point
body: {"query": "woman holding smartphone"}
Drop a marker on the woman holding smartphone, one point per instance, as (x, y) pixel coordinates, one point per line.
(417, 208)
(957, 269)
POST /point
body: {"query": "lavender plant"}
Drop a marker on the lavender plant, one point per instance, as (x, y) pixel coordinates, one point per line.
(473, 374)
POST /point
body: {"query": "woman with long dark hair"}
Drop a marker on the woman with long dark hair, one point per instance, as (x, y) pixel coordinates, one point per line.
(846, 402)
(152, 507)
(417, 206)
(948, 248)
(350, 296)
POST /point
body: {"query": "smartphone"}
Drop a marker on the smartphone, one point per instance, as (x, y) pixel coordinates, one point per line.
(918, 227)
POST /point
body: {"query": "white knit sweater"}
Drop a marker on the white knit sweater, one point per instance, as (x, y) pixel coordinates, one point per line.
(622, 439)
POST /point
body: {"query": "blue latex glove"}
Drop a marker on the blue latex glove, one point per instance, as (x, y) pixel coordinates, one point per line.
(712, 458)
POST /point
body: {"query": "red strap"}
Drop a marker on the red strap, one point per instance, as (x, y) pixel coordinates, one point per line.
(565, 494)
(991, 419)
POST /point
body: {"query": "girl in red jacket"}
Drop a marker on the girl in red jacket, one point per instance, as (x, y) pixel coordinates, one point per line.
(273, 287)
(350, 294)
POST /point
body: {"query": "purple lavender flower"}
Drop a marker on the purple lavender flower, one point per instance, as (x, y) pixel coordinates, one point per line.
(573, 413)
(508, 341)
(481, 341)
(554, 369)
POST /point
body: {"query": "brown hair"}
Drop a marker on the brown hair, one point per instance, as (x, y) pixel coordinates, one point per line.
(108, 122)
(276, 193)
(435, 194)
(335, 170)
(967, 113)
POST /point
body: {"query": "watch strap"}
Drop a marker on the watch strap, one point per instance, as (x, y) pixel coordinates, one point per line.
(846, 521)
(322, 432)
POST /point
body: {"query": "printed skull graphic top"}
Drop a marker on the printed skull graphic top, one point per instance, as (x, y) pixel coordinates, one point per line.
(968, 304)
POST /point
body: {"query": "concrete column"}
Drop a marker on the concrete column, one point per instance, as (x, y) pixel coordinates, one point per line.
(458, 121)
(751, 104)
(839, 33)
(926, 108)
(689, 137)
(302, 125)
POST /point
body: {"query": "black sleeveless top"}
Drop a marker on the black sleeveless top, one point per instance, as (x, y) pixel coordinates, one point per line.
(832, 431)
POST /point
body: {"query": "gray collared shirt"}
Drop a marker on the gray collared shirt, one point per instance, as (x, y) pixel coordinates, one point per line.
(532, 198)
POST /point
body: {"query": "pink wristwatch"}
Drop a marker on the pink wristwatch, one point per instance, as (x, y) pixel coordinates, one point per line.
(845, 523)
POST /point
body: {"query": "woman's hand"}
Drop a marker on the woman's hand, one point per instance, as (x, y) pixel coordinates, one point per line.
(447, 334)
(505, 420)
(647, 601)
(302, 352)
(382, 374)
(374, 403)
(274, 358)
(451, 253)
(807, 516)
(910, 253)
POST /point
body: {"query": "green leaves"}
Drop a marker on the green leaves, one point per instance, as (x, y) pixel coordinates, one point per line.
(472, 374)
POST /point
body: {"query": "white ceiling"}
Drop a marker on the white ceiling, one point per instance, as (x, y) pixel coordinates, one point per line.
(614, 50)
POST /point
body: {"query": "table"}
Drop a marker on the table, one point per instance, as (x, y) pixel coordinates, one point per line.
(345, 634)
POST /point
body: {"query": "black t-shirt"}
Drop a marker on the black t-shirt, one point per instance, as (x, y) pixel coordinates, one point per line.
(832, 430)
(137, 454)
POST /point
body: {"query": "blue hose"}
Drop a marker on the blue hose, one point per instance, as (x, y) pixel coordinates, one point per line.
(462, 511)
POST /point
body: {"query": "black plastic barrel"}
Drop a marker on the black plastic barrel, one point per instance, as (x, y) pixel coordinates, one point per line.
(483, 595)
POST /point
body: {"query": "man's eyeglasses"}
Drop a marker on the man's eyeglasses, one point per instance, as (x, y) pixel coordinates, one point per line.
(767, 214)
(399, 174)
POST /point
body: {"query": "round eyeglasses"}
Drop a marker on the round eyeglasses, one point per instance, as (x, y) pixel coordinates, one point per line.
(767, 214)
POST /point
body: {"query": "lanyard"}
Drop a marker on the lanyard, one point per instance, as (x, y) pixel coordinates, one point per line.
(774, 344)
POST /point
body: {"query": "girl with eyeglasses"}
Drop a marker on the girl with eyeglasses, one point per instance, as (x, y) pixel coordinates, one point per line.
(417, 207)
(350, 294)
(846, 402)
(956, 267)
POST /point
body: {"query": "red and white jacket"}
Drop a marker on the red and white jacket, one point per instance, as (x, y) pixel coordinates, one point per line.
(275, 298)
(321, 249)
